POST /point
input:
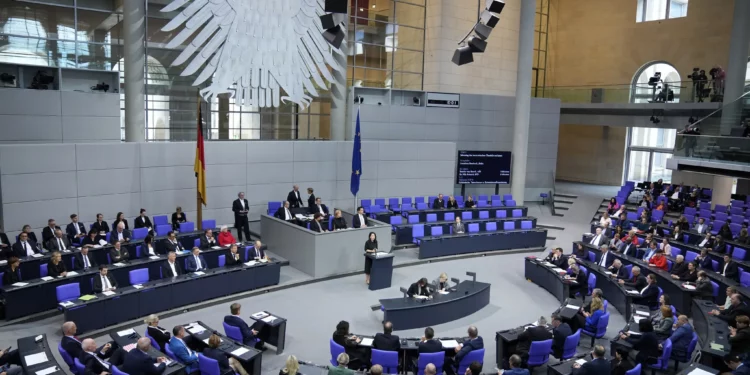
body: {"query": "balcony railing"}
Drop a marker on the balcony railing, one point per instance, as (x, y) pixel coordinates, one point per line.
(682, 92)
(717, 148)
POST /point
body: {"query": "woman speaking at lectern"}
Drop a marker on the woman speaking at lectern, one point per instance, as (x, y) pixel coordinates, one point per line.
(371, 246)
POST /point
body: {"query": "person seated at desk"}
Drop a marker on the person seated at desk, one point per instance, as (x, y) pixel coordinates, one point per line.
(226, 364)
(48, 232)
(682, 223)
(654, 252)
(339, 222)
(196, 262)
(592, 318)
(452, 204)
(475, 368)
(249, 334)
(599, 238)
(681, 337)
(316, 225)
(160, 335)
(58, 242)
(618, 271)
(638, 281)
(8, 358)
(612, 206)
(665, 246)
(621, 363)
(5, 245)
(743, 237)
(739, 337)
(55, 266)
(458, 226)
(104, 282)
(74, 347)
(514, 363)
(469, 202)
(438, 203)
(580, 285)
(664, 327)
(180, 349)
(605, 259)
(147, 248)
(142, 221)
(284, 213)
(691, 275)
(703, 260)
(91, 240)
(475, 342)
(595, 293)
(172, 243)
(596, 366)
(172, 268)
(386, 340)
(344, 366)
(730, 314)
(719, 245)
(318, 207)
(259, 251)
(736, 364)
(233, 258)
(120, 234)
(294, 198)
(707, 242)
(700, 226)
(428, 344)
(138, 361)
(704, 287)
(442, 283)
(725, 232)
(729, 268)
(97, 362)
(628, 247)
(646, 343)
(226, 237)
(358, 356)
(118, 254)
(580, 252)
(120, 218)
(649, 295)
(75, 230)
(605, 220)
(12, 272)
(291, 367)
(624, 222)
(557, 258)
(360, 219)
(100, 226)
(419, 288)
(208, 240)
(24, 247)
(679, 268)
(560, 332)
(178, 217)
(643, 225)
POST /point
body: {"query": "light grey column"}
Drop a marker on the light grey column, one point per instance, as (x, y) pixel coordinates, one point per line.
(734, 83)
(523, 101)
(722, 190)
(339, 119)
(134, 27)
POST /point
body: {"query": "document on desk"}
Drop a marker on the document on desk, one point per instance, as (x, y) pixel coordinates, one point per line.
(195, 329)
(443, 292)
(366, 341)
(574, 307)
(259, 315)
(558, 270)
(3, 262)
(37, 255)
(716, 346)
(644, 313)
(118, 264)
(216, 247)
(71, 273)
(126, 332)
(47, 370)
(47, 278)
(138, 286)
(66, 304)
(108, 293)
(449, 343)
(699, 372)
(199, 273)
(129, 347)
(269, 319)
(638, 318)
(34, 359)
(580, 361)
(239, 351)
(154, 257)
(690, 287)
(251, 263)
(20, 284)
(633, 292)
(421, 297)
(632, 333)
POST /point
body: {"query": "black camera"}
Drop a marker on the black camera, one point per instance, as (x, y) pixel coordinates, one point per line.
(100, 87)
(41, 81)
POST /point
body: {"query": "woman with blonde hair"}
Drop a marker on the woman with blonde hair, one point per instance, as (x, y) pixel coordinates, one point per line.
(226, 365)
(442, 283)
(592, 318)
(291, 367)
(160, 335)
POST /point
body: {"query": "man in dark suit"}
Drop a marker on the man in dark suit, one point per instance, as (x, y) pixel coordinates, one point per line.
(319, 207)
(679, 268)
(75, 230)
(98, 361)
(104, 281)
(439, 202)
(428, 344)
(385, 340)
(83, 260)
(208, 240)
(624, 222)
(5, 246)
(599, 238)
(196, 262)
(240, 207)
(538, 332)
(628, 248)
(736, 309)
(619, 271)
(138, 361)
(249, 335)
(74, 347)
(172, 244)
(316, 225)
(419, 288)
(560, 332)
(360, 219)
(557, 258)
(649, 296)
(729, 269)
(284, 213)
(24, 247)
(119, 234)
(598, 365)
(142, 221)
(638, 281)
(310, 197)
(605, 259)
(259, 251)
(49, 231)
(474, 342)
(118, 254)
(172, 267)
(58, 242)
(100, 226)
(295, 198)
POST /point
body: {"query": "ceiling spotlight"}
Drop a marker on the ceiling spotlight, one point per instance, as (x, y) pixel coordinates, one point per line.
(373, 6)
(489, 19)
(331, 21)
(361, 9)
(463, 55)
(335, 6)
(334, 36)
(477, 44)
(495, 6)
(483, 31)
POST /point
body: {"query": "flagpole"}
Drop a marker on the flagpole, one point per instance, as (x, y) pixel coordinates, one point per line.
(356, 195)
(198, 201)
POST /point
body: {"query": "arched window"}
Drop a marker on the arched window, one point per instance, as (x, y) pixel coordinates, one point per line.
(157, 99)
(641, 92)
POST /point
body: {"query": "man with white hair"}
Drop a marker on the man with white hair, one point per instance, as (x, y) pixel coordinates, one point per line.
(342, 368)
(96, 361)
(120, 234)
(599, 238)
(618, 271)
(430, 369)
(138, 361)
(680, 267)
(74, 347)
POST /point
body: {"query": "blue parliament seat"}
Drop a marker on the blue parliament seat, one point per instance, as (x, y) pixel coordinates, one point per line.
(437, 359)
(387, 359)
(474, 355)
(539, 353)
(187, 226)
(335, 349)
(68, 292)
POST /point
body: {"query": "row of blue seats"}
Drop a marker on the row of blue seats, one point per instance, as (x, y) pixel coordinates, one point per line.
(450, 216)
(408, 203)
(436, 231)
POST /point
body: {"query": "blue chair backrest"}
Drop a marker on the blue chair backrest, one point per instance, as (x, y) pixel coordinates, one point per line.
(495, 197)
(592, 282)
(592, 256)
(601, 326)
(436, 230)
(466, 215)
(437, 359)
(510, 203)
(138, 276)
(473, 228)
(273, 207)
(539, 352)
(474, 355)
(431, 218)
(527, 224)
(161, 220)
(421, 206)
(676, 251)
(715, 265)
(187, 227)
(482, 198)
(629, 267)
(745, 279)
(335, 349)
(484, 214)
(632, 216)
(79, 366)
(663, 362)
(161, 229)
(690, 211)
(715, 288)
(482, 204)
(690, 256)
(208, 366)
(721, 216)
(418, 199)
(116, 371)
(509, 225)
(233, 332)
(222, 260)
(138, 251)
(501, 213)
(140, 233)
(170, 353)
(406, 201)
(739, 254)
(68, 292)
(66, 357)
(417, 231)
(153, 341)
(365, 203)
(380, 202)
(388, 360)
(720, 208)
(517, 213)
(392, 202)
(449, 216)
(507, 197)
(497, 203)
(491, 226)
(413, 219)
(571, 344)
(43, 270)
(635, 370)
(211, 223)
(396, 220)
(197, 242)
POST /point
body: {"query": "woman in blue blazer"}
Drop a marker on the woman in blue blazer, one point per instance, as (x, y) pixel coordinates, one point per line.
(592, 318)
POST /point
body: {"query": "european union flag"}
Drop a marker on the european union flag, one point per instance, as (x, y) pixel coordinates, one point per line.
(356, 159)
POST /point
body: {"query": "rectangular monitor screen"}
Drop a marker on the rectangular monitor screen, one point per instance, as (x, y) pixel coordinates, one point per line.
(483, 167)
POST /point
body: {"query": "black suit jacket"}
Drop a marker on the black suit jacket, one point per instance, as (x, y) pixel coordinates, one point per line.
(430, 346)
(56, 270)
(143, 222)
(413, 290)
(311, 200)
(315, 228)
(100, 227)
(356, 223)
(620, 368)
(138, 362)
(649, 297)
(4, 238)
(78, 262)
(732, 271)
(10, 277)
(262, 252)
(468, 346)
(559, 335)
(281, 215)
(453, 204)
(113, 235)
(72, 346)
(729, 315)
(98, 282)
(607, 262)
(621, 273)
(314, 209)
(20, 252)
(176, 221)
(160, 335)
(53, 245)
(239, 217)
(166, 270)
(438, 203)
(389, 342)
(47, 233)
(91, 364)
(598, 366)
(247, 334)
(220, 357)
(530, 335)
(176, 246)
(230, 261)
(339, 223)
(207, 245)
(680, 269)
(119, 256)
(639, 283)
(70, 230)
(294, 199)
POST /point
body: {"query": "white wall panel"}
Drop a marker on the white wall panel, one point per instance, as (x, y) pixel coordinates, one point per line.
(225, 152)
(270, 151)
(39, 186)
(27, 127)
(165, 201)
(167, 154)
(36, 213)
(314, 171)
(94, 156)
(225, 174)
(259, 173)
(109, 205)
(37, 158)
(30, 102)
(89, 128)
(90, 104)
(314, 151)
(167, 178)
(108, 181)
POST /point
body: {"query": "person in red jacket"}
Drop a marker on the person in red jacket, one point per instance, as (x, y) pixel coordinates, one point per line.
(658, 260)
(225, 236)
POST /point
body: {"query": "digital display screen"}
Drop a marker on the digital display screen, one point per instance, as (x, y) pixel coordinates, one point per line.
(483, 167)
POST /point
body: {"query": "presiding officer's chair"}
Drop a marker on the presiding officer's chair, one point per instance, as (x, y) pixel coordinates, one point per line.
(336, 349)
(437, 359)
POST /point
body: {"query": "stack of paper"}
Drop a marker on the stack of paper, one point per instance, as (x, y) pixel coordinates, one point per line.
(48, 370)
(71, 273)
(420, 297)
(3, 262)
(580, 361)
(239, 351)
(632, 333)
(47, 278)
(87, 297)
(216, 247)
(108, 293)
(37, 358)
(251, 263)
(699, 372)
(199, 273)
(66, 304)
(195, 329)
(269, 319)
(644, 313)
(366, 341)
(633, 292)
(153, 257)
(20, 284)
(689, 287)
(129, 347)
(638, 318)
(126, 332)
(260, 315)
(443, 291)
(37, 255)
(574, 307)
(138, 286)
(449, 343)
(118, 264)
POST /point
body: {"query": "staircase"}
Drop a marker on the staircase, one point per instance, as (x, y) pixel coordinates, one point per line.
(561, 203)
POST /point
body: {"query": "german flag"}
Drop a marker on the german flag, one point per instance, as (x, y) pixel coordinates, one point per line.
(200, 161)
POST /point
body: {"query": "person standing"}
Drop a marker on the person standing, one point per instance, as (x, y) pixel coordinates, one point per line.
(294, 198)
(240, 208)
(371, 246)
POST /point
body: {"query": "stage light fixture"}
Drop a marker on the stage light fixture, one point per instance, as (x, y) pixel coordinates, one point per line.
(331, 20)
(495, 6)
(483, 31)
(489, 19)
(335, 6)
(334, 36)
(476, 39)
(463, 55)
(477, 44)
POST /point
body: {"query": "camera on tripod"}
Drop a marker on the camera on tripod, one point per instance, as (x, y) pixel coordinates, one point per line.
(41, 81)
(100, 87)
